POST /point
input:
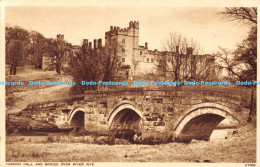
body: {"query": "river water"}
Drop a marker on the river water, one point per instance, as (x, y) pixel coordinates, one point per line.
(220, 134)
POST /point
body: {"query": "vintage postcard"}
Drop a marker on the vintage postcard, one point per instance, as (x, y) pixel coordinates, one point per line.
(129, 82)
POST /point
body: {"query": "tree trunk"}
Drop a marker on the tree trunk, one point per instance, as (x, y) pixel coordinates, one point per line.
(11, 69)
(23, 60)
(40, 63)
(252, 113)
(14, 69)
(58, 68)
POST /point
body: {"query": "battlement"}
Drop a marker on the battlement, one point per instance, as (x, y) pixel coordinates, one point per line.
(189, 51)
(60, 37)
(154, 52)
(134, 24)
(123, 31)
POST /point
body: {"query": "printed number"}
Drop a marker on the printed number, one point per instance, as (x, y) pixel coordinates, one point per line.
(250, 165)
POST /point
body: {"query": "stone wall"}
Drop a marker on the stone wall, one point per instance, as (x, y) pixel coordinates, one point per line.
(160, 113)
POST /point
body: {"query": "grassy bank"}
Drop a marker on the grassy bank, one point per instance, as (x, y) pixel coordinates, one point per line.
(240, 147)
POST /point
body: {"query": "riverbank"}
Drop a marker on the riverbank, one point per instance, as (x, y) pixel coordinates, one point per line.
(238, 148)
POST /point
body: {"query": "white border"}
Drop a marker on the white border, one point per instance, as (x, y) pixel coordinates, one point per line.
(163, 3)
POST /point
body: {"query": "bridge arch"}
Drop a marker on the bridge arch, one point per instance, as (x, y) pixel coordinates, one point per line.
(201, 120)
(125, 116)
(76, 117)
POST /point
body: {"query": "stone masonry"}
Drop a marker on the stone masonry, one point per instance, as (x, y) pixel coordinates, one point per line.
(182, 112)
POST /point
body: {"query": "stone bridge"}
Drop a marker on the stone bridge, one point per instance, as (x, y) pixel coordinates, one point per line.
(188, 112)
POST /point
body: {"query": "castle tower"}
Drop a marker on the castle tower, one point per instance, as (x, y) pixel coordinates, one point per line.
(127, 42)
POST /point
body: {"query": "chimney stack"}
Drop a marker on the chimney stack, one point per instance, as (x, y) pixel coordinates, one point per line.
(90, 45)
(177, 49)
(85, 42)
(100, 43)
(146, 45)
(95, 44)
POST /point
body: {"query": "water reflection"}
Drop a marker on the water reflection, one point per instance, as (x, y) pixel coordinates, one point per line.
(220, 134)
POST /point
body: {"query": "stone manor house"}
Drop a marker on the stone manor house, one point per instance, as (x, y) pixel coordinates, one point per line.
(140, 59)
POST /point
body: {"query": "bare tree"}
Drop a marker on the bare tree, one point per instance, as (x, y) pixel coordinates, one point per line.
(181, 59)
(245, 14)
(241, 63)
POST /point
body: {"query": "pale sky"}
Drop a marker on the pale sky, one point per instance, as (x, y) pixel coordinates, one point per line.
(202, 24)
